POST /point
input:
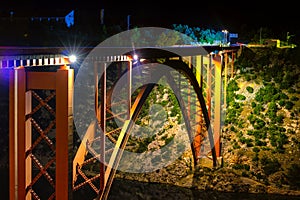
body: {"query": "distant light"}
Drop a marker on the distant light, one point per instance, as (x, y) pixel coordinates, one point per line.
(72, 58)
(135, 57)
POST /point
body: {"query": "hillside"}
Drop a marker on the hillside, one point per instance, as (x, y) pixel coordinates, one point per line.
(261, 136)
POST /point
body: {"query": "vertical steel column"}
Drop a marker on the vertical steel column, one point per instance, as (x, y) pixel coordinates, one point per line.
(96, 95)
(20, 89)
(102, 119)
(13, 195)
(189, 90)
(129, 79)
(19, 135)
(225, 79)
(197, 141)
(199, 70)
(208, 89)
(217, 102)
(64, 89)
(232, 65)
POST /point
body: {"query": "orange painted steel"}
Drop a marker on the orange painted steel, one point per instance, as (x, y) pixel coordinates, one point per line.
(23, 84)
(12, 138)
(197, 111)
(202, 109)
(217, 60)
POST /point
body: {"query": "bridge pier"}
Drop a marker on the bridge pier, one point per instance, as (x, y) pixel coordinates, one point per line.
(28, 130)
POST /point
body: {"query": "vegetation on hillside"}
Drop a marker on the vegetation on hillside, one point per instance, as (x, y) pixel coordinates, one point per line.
(261, 136)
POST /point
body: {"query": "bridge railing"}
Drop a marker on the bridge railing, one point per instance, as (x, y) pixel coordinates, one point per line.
(32, 60)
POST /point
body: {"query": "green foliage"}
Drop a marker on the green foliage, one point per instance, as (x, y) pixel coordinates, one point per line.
(283, 96)
(259, 97)
(291, 90)
(241, 124)
(272, 111)
(261, 134)
(240, 97)
(168, 38)
(256, 122)
(247, 141)
(251, 118)
(259, 123)
(272, 107)
(289, 105)
(202, 36)
(259, 108)
(241, 166)
(232, 128)
(279, 119)
(256, 149)
(270, 165)
(249, 89)
(294, 98)
(232, 86)
(143, 145)
(281, 102)
(236, 146)
(276, 97)
(260, 142)
(278, 140)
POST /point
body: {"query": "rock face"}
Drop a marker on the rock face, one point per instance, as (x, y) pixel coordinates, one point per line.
(221, 179)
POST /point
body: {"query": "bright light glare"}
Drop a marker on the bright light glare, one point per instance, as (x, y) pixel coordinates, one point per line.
(72, 58)
(135, 57)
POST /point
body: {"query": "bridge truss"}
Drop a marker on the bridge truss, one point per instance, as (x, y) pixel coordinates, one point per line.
(41, 145)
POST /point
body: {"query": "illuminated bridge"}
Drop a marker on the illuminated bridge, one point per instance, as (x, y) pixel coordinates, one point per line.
(42, 96)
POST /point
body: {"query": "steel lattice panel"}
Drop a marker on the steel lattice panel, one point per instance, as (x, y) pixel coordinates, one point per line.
(42, 150)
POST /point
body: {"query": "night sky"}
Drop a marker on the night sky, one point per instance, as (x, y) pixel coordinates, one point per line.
(232, 14)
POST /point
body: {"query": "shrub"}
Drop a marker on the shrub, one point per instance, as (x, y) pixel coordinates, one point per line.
(291, 90)
(260, 142)
(240, 97)
(270, 165)
(281, 102)
(294, 98)
(256, 149)
(289, 105)
(283, 96)
(233, 86)
(236, 146)
(279, 119)
(276, 97)
(249, 89)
